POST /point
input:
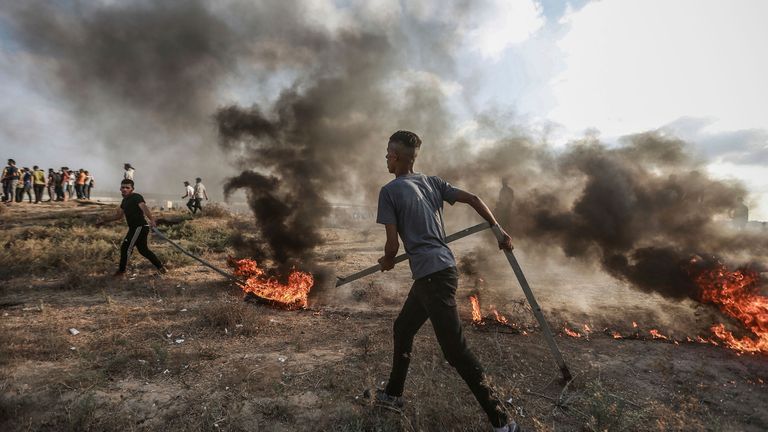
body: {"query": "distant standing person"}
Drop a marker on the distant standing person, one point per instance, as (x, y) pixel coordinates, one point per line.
(200, 193)
(71, 175)
(59, 184)
(129, 171)
(139, 220)
(10, 179)
(51, 184)
(90, 183)
(503, 210)
(26, 184)
(190, 195)
(39, 183)
(80, 183)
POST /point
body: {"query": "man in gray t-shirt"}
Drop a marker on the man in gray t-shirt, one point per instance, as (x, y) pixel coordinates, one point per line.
(411, 207)
(418, 199)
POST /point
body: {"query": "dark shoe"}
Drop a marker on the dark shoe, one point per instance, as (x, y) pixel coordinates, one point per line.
(119, 275)
(382, 398)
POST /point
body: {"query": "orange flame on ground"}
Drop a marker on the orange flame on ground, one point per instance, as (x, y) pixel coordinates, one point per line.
(657, 334)
(292, 295)
(734, 293)
(477, 317)
(499, 317)
(571, 333)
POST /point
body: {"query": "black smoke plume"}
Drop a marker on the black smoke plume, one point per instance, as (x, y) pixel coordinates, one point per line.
(147, 77)
(643, 209)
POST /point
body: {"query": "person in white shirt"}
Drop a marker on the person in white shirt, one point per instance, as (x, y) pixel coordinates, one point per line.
(190, 194)
(200, 193)
(129, 171)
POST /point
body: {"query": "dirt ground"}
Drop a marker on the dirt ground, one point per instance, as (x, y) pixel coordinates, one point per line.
(182, 351)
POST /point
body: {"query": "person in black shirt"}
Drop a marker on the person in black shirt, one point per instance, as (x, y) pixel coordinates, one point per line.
(136, 215)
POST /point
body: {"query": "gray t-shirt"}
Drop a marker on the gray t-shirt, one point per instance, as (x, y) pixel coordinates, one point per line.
(414, 202)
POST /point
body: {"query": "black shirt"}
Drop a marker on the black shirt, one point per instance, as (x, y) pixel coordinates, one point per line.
(133, 214)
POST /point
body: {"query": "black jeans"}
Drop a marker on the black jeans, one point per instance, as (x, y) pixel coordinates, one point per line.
(434, 297)
(137, 236)
(39, 192)
(197, 205)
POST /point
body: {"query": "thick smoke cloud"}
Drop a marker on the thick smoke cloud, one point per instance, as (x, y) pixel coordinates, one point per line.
(326, 90)
(643, 209)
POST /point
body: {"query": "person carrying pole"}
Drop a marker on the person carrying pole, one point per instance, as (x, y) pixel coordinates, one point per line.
(411, 206)
(139, 220)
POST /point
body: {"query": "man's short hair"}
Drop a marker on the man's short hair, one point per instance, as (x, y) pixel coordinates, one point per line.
(198, 179)
(407, 138)
(128, 182)
(11, 162)
(186, 182)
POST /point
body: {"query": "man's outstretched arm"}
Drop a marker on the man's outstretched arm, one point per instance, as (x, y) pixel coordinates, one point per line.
(476, 203)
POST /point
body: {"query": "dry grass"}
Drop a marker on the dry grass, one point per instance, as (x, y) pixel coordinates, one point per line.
(216, 211)
(231, 315)
(183, 352)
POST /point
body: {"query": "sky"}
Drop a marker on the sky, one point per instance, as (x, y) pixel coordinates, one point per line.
(696, 69)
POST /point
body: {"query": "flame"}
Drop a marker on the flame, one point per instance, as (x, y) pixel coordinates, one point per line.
(292, 295)
(616, 335)
(571, 333)
(735, 294)
(477, 317)
(657, 334)
(499, 317)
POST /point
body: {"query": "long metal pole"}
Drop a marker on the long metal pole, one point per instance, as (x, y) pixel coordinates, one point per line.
(197, 258)
(402, 257)
(535, 307)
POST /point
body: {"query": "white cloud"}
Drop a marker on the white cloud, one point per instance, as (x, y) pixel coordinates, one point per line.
(487, 27)
(637, 65)
(502, 23)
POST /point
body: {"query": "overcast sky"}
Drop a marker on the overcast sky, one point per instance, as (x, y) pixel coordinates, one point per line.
(696, 68)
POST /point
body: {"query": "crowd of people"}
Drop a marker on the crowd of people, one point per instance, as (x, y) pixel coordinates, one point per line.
(61, 185)
(66, 184)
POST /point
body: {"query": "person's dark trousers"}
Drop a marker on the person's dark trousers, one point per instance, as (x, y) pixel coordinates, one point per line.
(137, 237)
(191, 205)
(6, 186)
(28, 191)
(434, 297)
(88, 191)
(197, 205)
(59, 193)
(79, 191)
(19, 194)
(51, 193)
(39, 193)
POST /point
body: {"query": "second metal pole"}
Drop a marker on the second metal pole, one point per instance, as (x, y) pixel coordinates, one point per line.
(535, 307)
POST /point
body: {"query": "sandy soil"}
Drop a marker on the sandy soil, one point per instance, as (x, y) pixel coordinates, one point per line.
(182, 351)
